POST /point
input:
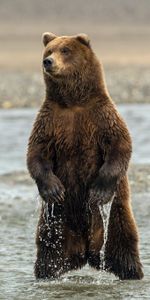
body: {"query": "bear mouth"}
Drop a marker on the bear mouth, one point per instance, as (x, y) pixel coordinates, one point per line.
(49, 73)
(52, 74)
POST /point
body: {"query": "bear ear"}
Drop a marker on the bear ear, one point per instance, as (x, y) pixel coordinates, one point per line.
(84, 39)
(48, 37)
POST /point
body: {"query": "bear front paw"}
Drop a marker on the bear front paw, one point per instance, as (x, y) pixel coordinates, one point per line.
(102, 190)
(100, 197)
(51, 190)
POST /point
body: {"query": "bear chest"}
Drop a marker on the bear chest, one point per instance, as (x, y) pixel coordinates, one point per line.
(77, 152)
(74, 133)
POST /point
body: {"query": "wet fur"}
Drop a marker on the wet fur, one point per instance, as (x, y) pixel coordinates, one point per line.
(79, 145)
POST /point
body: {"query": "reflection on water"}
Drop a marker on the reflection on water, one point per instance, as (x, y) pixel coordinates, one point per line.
(19, 209)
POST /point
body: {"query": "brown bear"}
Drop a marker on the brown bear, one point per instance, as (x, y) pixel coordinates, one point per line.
(78, 155)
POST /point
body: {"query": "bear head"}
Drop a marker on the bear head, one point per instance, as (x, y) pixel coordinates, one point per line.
(71, 70)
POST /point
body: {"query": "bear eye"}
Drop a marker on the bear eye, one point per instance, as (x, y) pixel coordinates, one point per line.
(65, 50)
(49, 52)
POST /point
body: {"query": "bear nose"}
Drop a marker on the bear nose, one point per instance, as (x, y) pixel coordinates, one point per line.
(47, 62)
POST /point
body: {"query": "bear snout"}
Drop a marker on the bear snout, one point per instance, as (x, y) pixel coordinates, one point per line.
(48, 63)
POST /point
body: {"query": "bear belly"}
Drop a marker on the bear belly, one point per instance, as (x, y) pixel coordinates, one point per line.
(77, 172)
(77, 167)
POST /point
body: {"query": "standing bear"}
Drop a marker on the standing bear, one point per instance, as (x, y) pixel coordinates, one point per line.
(78, 155)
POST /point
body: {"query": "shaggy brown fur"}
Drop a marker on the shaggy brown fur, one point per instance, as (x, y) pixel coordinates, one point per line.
(78, 155)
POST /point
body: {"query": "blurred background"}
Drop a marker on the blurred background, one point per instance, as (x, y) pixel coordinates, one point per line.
(120, 36)
(119, 31)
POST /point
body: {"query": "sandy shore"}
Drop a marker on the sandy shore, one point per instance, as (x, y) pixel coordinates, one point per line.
(126, 84)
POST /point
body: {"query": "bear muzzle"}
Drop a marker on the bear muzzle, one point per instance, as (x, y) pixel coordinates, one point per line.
(48, 63)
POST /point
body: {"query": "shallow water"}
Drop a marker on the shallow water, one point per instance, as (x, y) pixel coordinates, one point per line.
(19, 212)
(19, 207)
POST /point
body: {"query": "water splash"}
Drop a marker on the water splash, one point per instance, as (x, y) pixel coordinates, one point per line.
(52, 211)
(46, 213)
(105, 214)
(38, 203)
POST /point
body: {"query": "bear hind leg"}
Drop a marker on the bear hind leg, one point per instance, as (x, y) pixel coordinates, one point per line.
(95, 239)
(121, 251)
(49, 263)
